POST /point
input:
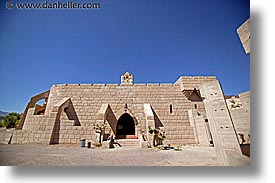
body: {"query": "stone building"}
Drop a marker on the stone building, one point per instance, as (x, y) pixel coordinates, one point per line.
(191, 111)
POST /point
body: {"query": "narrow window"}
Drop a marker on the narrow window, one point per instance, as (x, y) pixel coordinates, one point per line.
(171, 109)
(195, 106)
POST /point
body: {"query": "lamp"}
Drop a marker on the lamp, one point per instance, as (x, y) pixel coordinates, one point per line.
(125, 107)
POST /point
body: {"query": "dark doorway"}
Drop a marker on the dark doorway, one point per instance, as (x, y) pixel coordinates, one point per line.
(125, 126)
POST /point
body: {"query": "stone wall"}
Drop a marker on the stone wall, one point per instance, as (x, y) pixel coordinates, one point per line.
(67, 124)
(191, 82)
(221, 125)
(5, 136)
(239, 108)
(244, 35)
(87, 100)
(34, 122)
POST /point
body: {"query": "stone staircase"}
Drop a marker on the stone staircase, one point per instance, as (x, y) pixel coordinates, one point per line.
(128, 143)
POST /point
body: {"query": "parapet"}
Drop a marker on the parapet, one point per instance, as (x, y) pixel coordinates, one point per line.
(191, 82)
(185, 82)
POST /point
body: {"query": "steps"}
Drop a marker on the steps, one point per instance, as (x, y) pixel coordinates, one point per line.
(128, 143)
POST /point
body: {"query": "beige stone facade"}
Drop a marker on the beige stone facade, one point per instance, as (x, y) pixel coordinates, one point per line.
(244, 35)
(239, 108)
(191, 111)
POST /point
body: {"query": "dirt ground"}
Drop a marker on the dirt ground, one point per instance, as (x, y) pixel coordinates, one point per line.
(62, 155)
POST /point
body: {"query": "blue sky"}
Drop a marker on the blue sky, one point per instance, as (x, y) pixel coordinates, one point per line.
(157, 41)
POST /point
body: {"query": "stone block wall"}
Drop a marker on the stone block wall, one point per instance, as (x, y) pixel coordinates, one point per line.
(5, 136)
(87, 100)
(70, 134)
(28, 137)
(244, 35)
(34, 122)
(67, 124)
(221, 125)
(191, 82)
(239, 108)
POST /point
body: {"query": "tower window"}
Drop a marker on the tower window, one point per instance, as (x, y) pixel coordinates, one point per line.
(195, 106)
(171, 109)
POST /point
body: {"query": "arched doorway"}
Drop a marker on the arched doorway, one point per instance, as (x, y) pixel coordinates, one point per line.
(125, 126)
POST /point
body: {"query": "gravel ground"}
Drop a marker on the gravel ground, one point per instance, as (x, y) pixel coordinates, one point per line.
(61, 155)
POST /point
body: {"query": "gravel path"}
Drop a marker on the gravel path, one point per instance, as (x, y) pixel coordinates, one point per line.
(60, 155)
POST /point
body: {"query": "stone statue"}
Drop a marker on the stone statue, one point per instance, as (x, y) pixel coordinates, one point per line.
(127, 78)
(235, 103)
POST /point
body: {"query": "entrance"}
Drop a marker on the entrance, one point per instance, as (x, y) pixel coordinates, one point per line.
(125, 127)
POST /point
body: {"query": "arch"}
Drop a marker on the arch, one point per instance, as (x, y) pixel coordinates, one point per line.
(125, 126)
(40, 107)
(31, 104)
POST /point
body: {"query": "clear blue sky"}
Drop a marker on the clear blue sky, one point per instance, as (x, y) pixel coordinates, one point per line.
(157, 41)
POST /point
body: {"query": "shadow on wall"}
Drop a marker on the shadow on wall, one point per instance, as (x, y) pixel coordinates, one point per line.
(194, 95)
(158, 123)
(245, 149)
(71, 114)
(112, 121)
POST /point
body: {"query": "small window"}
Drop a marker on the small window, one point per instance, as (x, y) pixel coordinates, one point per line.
(171, 109)
(195, 106)
(206, 120)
